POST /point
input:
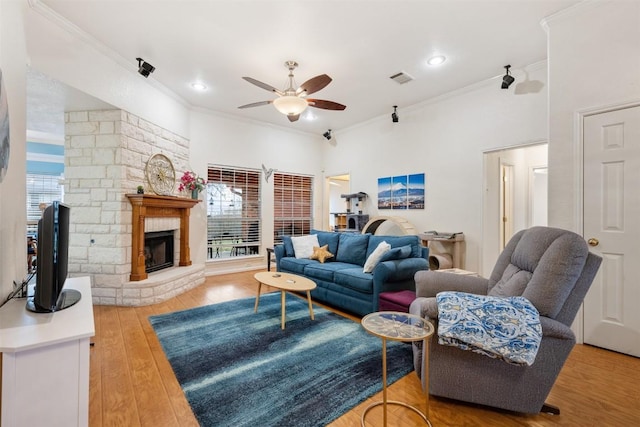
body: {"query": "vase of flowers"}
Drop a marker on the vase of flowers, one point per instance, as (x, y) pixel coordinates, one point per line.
(189, 181)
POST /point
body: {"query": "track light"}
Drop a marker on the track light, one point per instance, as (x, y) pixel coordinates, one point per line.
(394, 115)
(144, 68)
(507, 79)
(327, 134)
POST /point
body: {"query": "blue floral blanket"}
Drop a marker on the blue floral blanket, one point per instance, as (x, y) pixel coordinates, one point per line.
(506, 328)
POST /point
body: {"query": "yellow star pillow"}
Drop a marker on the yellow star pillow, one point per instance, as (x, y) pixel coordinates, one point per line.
(321, 254)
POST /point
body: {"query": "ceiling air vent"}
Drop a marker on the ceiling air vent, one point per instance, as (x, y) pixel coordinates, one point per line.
(401, 77)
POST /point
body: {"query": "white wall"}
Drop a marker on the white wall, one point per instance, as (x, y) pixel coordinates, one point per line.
(234, 142)
(13, 215)
(594, 61)
(445, 139)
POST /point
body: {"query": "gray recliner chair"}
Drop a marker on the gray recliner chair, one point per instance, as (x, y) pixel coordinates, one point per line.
(553, 269)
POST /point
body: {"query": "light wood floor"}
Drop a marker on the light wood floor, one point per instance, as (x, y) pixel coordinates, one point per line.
(132, 383)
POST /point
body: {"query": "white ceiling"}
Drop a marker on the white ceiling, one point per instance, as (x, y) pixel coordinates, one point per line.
(360, 44)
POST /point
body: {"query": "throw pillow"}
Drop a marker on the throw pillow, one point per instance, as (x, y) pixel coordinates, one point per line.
(397, 253)
(375, 256)
(328, 238)
(352, 248)
(303, 245)
(321, 253)
(288, 246)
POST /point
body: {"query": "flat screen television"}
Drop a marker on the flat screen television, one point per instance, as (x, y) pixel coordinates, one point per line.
(52, 262)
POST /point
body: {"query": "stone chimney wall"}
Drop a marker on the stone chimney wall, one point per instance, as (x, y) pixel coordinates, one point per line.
(105, 157)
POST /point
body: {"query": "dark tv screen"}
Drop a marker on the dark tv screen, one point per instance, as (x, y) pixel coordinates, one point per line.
(52, 262)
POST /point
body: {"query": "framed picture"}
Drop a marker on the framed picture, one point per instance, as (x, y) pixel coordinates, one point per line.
(384, 193)
(402, 192)
(415, 191)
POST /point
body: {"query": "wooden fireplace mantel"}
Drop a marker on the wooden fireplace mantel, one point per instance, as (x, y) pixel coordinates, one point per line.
(153, 206)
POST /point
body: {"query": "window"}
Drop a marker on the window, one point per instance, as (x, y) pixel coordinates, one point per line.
(41, 189)
(292, 205)
(233, 212)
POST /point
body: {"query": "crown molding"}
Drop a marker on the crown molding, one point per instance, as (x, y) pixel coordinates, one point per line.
(44, 137)
(77, 32)
(569, 12)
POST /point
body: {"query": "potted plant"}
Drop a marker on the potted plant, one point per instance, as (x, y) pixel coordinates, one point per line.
(190, 181)
(140, 189)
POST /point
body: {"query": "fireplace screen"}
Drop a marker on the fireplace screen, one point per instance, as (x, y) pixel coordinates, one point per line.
(158, 250)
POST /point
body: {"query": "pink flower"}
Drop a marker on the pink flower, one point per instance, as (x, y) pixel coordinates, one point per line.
(190, 181)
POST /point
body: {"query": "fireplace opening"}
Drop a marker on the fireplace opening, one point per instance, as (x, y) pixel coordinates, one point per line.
(158, 250)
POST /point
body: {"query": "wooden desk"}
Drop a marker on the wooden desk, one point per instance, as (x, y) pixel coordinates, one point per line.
(45, 362)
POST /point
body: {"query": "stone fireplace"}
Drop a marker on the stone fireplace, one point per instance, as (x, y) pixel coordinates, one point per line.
(105, 157)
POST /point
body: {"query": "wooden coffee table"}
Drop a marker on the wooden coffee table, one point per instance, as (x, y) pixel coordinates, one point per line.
(285, 282)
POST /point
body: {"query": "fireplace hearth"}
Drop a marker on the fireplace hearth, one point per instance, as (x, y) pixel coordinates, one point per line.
(158, 250)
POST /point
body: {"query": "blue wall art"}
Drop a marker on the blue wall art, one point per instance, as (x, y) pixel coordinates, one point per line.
(401, 192)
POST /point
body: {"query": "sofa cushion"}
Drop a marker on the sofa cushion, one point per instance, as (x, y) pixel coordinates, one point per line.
(375, 257)
(288, 246)
(352, 248)
(303, 245)
(324, 272)
(354, 278)
(295, 265)
(396, 242)
(401, 252)
(328, 238)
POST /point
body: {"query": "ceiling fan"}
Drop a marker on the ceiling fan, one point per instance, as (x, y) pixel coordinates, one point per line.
(292, 101)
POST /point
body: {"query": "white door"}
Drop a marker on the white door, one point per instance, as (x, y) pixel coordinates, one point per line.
(612, 228)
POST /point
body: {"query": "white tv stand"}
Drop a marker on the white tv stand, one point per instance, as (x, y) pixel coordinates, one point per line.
(45, 362)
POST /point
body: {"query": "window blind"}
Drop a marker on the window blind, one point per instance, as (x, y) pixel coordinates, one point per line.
(292, 205)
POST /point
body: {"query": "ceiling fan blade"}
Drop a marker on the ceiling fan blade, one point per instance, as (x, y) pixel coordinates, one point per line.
(294, 118)
(256, 104)
(263, 85)
(314, 84)
(325, 105)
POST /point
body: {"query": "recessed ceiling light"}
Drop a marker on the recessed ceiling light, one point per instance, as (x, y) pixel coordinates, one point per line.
(199, 86)
(436, 60)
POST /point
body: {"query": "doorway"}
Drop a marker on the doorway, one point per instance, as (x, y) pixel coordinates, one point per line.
(513, 196)
(336, 186)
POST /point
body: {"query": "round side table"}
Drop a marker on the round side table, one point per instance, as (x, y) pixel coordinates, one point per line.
(397, 326)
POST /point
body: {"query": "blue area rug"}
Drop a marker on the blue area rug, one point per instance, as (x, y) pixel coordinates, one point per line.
(239, 368)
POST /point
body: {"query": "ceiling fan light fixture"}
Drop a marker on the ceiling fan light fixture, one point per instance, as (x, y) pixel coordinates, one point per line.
(290, 105)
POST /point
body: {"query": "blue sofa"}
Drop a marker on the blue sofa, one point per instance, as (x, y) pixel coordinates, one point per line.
(341, 282)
